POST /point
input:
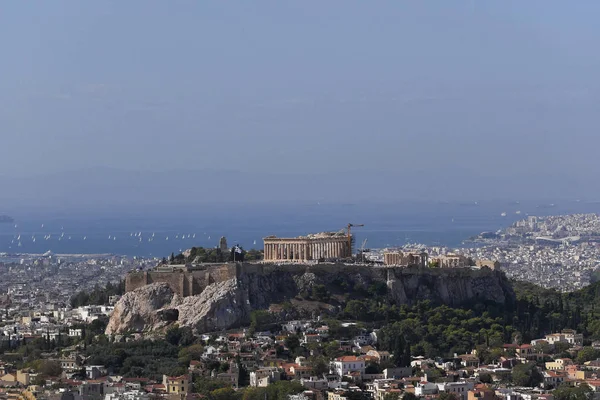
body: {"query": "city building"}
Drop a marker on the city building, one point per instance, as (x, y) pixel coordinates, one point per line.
(450, 261)
(405, 258)
(344, 365)
(177, 384)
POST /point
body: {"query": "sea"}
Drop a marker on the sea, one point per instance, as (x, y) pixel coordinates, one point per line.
(160, 231)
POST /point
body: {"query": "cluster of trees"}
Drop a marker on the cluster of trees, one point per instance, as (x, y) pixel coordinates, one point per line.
(431, 329)
(140, 358)
(25, 351)
(538, 310)
(277, 391)
(566, 392)
(46, 369)
(216, 390)
(261, 320)
(526, 375)
(214, 255)
(147, 358)
(99, 295)
(424, 329)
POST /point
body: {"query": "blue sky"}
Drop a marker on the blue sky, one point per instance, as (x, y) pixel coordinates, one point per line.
(505, 89)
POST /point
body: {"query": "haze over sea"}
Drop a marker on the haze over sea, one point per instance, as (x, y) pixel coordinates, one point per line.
(386, 224)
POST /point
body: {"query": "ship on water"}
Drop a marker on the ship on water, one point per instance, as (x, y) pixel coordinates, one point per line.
(5, 219)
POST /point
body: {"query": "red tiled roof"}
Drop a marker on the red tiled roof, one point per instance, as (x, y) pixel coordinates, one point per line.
(347, 359)
(177, 378)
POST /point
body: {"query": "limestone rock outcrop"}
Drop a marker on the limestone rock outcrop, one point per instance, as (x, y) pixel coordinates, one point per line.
(228, 303)
(137, 310)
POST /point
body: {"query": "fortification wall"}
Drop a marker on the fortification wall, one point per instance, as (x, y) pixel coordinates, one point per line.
(184, 283)
(135, 280)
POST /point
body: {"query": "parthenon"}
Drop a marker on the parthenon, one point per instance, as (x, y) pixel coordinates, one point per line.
(314, 247)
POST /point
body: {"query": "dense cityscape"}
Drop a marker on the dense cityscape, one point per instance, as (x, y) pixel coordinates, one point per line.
(299, 200)
(55, 341)
(561, 252)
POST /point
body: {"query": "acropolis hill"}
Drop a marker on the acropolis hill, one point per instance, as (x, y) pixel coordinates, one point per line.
(449, 285)
(212, 297)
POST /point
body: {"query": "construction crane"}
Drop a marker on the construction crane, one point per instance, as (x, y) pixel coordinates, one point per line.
(362, 251)
(362, 247)
(350, 226)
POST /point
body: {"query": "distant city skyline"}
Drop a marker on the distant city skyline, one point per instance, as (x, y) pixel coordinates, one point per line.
(469, 100)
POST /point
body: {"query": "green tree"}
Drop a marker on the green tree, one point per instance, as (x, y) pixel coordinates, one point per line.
(587, 354)
(526, 375)
(50, 368)
(543, 347)
(193, 352)
(357, 309)
(560, 347)
(180, 336)
(581, 392)
(486, 378)
(224, 394)
(292, 342)
(206, 386)
(433, 374)
(320, 293)
(260, 320)
(409, 396)
(280, 390)
(447, 396)
(319, 366)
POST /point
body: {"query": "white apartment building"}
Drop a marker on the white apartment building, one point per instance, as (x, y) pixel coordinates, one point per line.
(343, 365)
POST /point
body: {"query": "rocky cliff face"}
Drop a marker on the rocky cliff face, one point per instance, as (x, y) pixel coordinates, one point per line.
(228, 303)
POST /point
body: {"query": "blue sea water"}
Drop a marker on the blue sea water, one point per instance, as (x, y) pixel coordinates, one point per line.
(145, 232)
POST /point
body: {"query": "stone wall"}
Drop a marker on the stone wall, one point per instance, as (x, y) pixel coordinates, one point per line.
(183, 282)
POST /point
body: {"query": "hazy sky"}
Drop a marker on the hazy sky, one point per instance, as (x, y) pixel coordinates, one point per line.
(473, 88)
